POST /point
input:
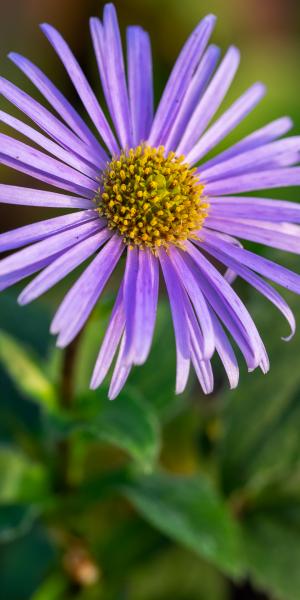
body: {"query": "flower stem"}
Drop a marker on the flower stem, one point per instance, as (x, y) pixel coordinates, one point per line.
(68, 371)
(67, 390)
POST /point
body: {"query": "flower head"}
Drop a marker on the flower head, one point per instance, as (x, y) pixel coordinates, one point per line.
(151, 199)
(144, 189)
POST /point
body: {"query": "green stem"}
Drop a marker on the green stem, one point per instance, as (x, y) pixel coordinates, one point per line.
(68, 374)
(67, 391)
(78, 563)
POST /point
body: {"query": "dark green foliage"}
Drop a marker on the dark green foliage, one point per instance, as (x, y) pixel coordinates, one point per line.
(148, 478)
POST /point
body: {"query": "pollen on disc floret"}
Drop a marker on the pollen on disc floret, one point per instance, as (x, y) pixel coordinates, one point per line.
(151, 199)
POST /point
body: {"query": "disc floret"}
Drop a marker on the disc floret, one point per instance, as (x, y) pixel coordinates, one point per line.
(151, 199)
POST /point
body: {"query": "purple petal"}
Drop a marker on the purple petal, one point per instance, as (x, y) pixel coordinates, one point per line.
(180, 323)
(110, 342)
(203, 370)
(39, 160)
(231, 299)
(11, 194)
(47, 121)
(179, 80)
(12, 278)
(265, 364)
(112, 73)
(285, 236)
(121, 372)
(264, 266)
(42, 229)
(82, 297)
(262, 286)
(244, 207)
(62, 184)
(130, 283)
(140, 301)
(37, 164)
(202, 367)
(63, 265)
(248, 183)
(97, 35)
(210, 101)
(226, 315)
(262, 136)
(116, 80)
(251, 160)
(58, 102)
(81, 85)
(146, 304)
(189, 282)
(226, 353)
(66, 156)
(227, 122)
(230, 276)
(49, 247)
(140, 82)
(194, 92)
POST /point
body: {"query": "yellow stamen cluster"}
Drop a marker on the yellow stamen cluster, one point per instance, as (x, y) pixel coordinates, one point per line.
(152, 200)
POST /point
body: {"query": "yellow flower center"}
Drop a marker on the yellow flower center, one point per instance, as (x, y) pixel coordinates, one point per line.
(150, 199)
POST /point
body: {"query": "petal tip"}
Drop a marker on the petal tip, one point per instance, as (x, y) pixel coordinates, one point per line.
(260, 87)
(47, 29)
(14, 56)
(112, 395)
(23, 300)
(93, 385)
(233, 384)
(211, 18)
(61, 344)
(109, 9)
(234, 53)
(54, 330)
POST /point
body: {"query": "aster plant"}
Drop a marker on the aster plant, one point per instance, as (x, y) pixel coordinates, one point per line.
(93, 493)
(141, 186)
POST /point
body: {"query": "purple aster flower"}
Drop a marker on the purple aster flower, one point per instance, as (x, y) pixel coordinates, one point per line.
(142, 188)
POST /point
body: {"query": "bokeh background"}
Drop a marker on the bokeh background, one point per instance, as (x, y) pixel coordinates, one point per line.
(57, 544)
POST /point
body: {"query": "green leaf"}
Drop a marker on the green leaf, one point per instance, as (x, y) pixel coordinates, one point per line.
(25, 562)
(25, 372)
(188, 510)
(21, 480)
(53, 588)
(262, 417)
(272, 548)
(128, 422)
(162, 576)
(16, 520)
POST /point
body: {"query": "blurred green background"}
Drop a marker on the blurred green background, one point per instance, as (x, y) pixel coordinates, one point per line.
(151, 497)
